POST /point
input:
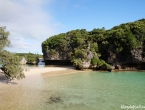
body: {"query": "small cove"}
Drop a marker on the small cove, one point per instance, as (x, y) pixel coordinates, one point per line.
(79, 91)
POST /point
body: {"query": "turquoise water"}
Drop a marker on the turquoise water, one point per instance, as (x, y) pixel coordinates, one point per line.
(80, 91)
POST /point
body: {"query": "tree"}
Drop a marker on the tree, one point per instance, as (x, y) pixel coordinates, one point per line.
(10, 62)
(82, 45)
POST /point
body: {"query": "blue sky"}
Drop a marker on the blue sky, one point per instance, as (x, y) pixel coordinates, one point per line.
(30, 22)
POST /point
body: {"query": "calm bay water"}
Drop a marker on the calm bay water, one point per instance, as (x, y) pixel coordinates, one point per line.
(79, 91)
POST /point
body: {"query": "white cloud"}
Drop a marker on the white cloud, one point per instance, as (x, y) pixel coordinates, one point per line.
(27, 22)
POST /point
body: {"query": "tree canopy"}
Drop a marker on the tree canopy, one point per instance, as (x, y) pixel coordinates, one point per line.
(10, 62)
(79, 43)
(30, 57)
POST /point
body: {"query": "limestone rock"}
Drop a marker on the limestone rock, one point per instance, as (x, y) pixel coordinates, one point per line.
(23, 61)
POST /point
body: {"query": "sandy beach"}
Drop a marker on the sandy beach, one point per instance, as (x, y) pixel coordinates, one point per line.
(28, 87)
(37, 72)
(41, 70)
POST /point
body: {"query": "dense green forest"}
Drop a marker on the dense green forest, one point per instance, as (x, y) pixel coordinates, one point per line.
(30, 57)
(96, 46)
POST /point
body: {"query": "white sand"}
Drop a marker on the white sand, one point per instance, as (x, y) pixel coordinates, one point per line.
(39, 70)
(33, 74)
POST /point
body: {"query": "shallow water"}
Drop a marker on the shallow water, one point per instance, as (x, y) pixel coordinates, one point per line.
(79, 91)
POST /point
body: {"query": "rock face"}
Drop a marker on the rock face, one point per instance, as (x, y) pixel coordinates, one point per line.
(1, 71)
(23, 61)
(125, 60)
(137, 55)
(59, 55)
(130, 59)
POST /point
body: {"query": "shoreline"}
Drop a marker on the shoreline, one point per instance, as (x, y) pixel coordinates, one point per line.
(58, 70)
(41, 70)
(63, 72)
(33, 74)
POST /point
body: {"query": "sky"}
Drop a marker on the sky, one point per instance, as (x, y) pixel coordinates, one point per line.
(30, 22)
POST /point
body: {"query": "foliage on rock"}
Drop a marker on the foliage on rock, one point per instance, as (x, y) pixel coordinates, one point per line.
(107, 46)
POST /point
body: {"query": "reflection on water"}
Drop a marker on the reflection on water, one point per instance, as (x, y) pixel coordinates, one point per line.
(81, 91)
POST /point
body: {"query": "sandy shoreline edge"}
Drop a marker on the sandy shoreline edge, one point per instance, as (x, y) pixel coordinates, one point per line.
(37, 72)
(50, 71)
(41, 70)
(45, 71)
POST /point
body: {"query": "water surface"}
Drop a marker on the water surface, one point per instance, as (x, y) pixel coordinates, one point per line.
(79, 91)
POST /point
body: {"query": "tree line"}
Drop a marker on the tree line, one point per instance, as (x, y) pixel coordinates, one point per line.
(30, 57)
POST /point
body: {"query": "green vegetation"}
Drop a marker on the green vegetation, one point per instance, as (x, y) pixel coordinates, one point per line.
(96, 61)
(94, 46)
(100, 63)
(30, 57)
(10, 62)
